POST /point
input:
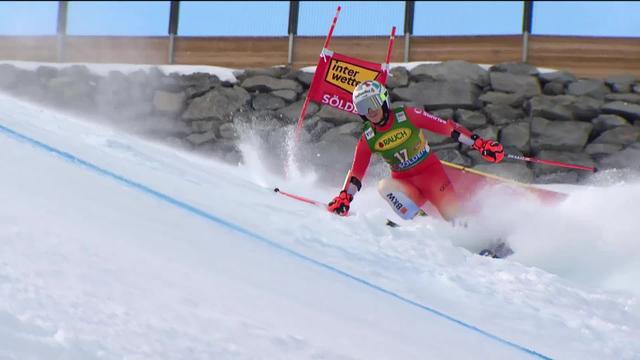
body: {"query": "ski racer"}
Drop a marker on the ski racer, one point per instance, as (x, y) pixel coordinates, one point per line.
(417, 175)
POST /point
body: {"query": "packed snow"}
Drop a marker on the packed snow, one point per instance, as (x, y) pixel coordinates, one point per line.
(115, 247)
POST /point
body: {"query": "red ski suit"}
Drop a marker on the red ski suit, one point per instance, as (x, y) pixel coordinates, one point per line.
(426, 181)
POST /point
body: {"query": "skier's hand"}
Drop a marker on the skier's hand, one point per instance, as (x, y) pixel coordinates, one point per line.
(340, 204)
(491, 150)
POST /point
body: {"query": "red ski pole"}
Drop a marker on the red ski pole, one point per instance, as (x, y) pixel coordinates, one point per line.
(300, 198)
(549, 162)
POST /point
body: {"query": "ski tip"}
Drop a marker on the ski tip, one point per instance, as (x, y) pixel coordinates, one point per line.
(391, 223)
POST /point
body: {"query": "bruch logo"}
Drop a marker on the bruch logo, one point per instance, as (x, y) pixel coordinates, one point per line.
(393, 139)
(347, 76)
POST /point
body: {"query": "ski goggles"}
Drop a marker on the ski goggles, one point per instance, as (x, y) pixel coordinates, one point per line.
(372, 102)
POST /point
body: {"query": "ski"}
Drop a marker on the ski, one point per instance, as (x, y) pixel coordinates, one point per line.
(391, 223)
(499, 251)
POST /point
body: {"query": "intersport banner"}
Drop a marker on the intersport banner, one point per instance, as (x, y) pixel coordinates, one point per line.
(337, 75)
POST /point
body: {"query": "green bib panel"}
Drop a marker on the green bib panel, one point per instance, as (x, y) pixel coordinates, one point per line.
(402, 146)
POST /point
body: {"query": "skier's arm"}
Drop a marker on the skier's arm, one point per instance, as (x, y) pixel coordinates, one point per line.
(491, 150)
(353, 182)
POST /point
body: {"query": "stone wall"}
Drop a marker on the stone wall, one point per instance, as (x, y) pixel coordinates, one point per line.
(549, 115)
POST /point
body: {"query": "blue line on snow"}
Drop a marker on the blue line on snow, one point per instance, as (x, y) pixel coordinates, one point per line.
(232, 226)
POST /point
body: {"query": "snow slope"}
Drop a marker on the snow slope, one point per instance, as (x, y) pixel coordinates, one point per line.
(112, 247)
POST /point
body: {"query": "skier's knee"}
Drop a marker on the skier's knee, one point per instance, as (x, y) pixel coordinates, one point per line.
(397, 199)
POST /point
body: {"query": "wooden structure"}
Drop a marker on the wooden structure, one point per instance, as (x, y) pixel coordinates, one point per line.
(589, 57)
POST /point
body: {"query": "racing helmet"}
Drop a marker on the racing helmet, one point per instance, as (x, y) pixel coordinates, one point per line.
(370, 94)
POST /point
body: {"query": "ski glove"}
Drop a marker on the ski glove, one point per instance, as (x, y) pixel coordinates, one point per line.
(340, 204)
(491, 150)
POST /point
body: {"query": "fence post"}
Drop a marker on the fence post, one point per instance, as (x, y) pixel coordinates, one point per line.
(294, 9)
(173, 28)
(409, 10)
(527, 16)
(61, 30)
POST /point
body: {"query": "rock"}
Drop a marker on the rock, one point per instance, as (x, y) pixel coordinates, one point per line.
(336, 116)
(487, 132)
(217, 103)
(621, 135)
(46, 73)
(274, 71)
(516, 68)
(562, 77)
(351, 129)
(510, 83)
(76, 93)
(568, 136)
(199, 139)
(321, 128)
(399, 77)
(288, 95)
(621, 83)
(202, 126)
(76, 72)
(470, 119)
(626, 110)
(331, 156)
(397, 104)
(448, 71)
(516, 135)
(267, 102)
(593, 88)
(502, 114)
(434, 139)
(264, 83)
(628, 158)
(262, 121)
(454, 156)
(194, 85)
(440, 95)
(566, 157)
(630, 98)
(551, 107)
(598, 150)
(585, 108)
(444, 114)
(228, 131)
(8, 76)
(560, 177)
(607, 121)
(553, 88)
(112, 92)
(498, 98)
(292, 111)
(168, 102)
(305, 77)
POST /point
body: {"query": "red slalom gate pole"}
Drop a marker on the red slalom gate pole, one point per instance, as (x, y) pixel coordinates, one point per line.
(333, 25)
(303, 111)
(390, 48)
(301, 198)
(549, 162)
